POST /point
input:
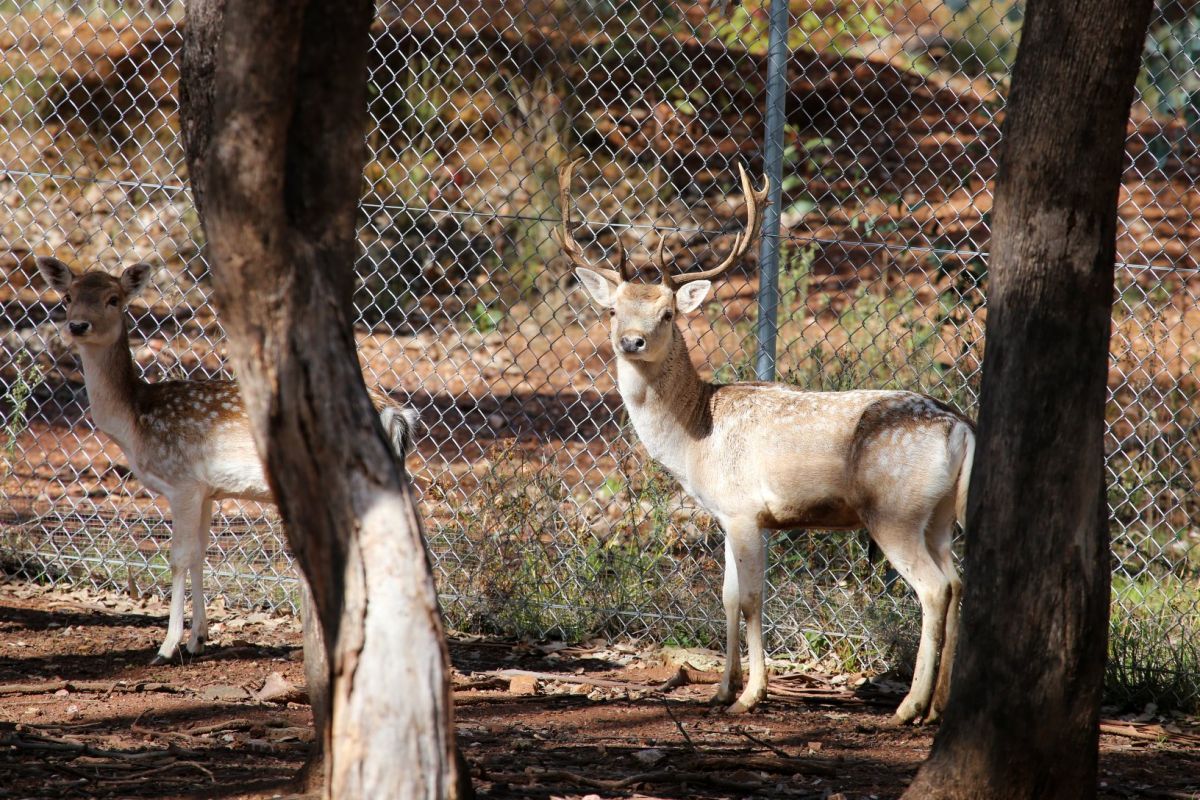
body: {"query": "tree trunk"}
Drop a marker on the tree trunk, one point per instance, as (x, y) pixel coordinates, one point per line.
(1022, 720)
(316, 683)
(275, 102)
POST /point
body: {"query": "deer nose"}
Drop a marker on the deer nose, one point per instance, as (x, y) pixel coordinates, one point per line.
(633, 344)
(79, 328)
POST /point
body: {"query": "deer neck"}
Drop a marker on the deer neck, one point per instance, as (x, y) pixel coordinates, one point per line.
(112, 386)
(667, 402)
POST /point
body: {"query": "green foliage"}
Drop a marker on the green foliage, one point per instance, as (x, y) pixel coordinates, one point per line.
(983, 37)
(1153, 651)
(484, 318)
(27, 379)
(536, 563)
(841, 26)
(891, 343)
(23, 92)
(1169, 83)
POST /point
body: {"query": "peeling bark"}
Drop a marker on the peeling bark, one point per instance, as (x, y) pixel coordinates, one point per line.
(274, 113)
(1022, 720)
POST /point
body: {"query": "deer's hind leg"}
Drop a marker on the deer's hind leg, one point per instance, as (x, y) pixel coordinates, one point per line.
(939, 538)
(903, 542)
(199, 634)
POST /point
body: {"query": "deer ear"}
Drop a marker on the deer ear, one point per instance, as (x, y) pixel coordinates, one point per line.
(689, 296)
(599, 287)
(56, 273)
(135, 279)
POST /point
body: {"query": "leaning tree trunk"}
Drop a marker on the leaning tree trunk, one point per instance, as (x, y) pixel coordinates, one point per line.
(1022, 719)
(274, 105)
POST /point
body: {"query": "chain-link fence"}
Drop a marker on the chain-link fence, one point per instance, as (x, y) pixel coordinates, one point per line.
(543, 514)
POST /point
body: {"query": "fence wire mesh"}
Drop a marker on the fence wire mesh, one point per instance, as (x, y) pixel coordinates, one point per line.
(544, 516)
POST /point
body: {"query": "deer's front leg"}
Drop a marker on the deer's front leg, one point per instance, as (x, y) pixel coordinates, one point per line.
(731, 679)
(186, 508)
(749, 555)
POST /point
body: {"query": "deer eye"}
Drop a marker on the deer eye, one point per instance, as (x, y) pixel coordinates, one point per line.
(112, 302)
(612, 312)
(66, 298)
(667, 315)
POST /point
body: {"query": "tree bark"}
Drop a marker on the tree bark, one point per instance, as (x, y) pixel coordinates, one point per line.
(275, 100)
(1022, 720)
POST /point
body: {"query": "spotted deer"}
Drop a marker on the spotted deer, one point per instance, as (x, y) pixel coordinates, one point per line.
(189, 440)
(769, 456)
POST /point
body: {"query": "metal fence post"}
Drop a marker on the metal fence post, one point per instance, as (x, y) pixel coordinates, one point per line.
(768, 260)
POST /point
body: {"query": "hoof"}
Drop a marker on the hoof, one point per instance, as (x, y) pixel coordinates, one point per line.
(746, 703)
(160, 660)
(196, 647)
(907, 715)
(721, 698)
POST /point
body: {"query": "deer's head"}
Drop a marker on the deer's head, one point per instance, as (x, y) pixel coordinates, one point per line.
(642, 314)
(95, 300)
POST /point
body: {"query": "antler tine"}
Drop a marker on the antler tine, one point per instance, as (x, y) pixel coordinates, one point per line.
(663, 269)
(756, 201)
(625, 270)
(571, 248)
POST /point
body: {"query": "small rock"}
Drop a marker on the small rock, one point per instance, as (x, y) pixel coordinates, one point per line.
(277, 689)
(223, 693)
(523, 685)
(650, 756)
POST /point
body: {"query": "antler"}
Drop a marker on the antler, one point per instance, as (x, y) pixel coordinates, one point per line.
(571, 247)
(756, 202)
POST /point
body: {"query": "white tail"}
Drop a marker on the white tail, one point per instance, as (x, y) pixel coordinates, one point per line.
(964, 481)
(189, 440)
(762, 456)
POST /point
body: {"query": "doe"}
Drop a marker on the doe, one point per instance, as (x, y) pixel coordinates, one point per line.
(768, 456)
(189, 440)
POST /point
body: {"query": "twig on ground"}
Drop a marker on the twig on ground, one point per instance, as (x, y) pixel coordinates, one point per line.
(1153, 732)
(103, 687)
(228, 725)
(667, 705)
(787, 766)
(777, 751)
(58, 745)
(656, 777)
(584, 679)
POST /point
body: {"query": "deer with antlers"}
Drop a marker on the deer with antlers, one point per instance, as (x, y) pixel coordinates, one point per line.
(769, 456)
(189, 440)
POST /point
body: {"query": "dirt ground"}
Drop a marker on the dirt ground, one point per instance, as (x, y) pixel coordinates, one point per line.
(82, 715)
